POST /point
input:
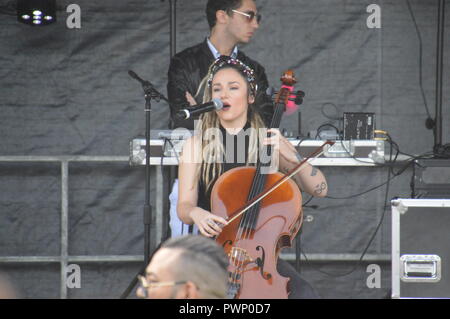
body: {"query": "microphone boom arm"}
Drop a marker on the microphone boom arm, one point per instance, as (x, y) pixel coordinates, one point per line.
(149, 89)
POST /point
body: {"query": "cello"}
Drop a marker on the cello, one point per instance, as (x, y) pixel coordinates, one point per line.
(254, 237)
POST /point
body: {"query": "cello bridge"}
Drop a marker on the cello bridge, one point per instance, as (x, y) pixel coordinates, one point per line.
(239, 256)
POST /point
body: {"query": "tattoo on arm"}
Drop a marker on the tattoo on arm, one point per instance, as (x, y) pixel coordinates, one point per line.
(314, 171)
(320, 188)
(295, 177)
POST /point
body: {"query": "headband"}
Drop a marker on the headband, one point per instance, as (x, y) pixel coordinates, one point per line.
(245, 70)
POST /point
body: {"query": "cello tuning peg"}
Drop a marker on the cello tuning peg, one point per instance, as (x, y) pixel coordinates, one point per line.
(299, 97)
(298, 100)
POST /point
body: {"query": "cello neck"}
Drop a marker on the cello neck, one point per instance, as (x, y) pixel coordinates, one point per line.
(249, 220)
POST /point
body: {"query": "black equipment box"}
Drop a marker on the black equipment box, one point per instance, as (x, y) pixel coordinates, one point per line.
(359, 126)
(431, 178)
(420, 252)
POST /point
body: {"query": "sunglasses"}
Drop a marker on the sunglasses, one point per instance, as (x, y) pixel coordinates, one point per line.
(250, 15)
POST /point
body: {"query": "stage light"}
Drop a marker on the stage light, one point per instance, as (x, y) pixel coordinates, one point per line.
(36, 12)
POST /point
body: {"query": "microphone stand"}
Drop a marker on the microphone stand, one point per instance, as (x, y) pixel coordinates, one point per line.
(149, 219)
(173, 26)
(173, 43)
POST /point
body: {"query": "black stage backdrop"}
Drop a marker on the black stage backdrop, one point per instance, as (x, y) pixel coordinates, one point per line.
(67, 92)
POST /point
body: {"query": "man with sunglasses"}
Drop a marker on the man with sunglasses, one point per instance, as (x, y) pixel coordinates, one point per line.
(231, 22)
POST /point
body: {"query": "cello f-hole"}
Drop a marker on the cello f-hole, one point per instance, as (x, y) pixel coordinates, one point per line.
(260, 262)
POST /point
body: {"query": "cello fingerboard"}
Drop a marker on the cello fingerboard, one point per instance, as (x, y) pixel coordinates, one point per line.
(250, 218)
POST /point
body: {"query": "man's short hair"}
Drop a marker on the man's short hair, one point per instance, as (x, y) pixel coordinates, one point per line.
(202, 261)
(215, 5)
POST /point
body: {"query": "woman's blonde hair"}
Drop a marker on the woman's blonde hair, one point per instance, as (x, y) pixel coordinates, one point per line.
(211, 145)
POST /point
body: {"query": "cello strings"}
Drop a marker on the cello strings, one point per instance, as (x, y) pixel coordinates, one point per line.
(261, 179)
(250, 217)
(243, 230)
(244, 225)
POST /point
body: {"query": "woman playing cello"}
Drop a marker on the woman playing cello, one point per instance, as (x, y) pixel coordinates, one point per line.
(230, 138)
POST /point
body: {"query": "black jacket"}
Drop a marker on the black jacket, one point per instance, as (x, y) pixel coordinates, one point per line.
(188, 68)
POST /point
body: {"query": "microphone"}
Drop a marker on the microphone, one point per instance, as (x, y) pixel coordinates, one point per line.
(214, 104)
(136, 77)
